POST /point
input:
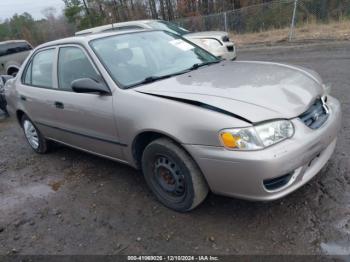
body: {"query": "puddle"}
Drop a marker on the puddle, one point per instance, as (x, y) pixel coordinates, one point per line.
(22, 194)
(38, 190)
(335, 249)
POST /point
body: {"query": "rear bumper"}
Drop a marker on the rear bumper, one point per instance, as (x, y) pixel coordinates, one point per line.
(242, 174)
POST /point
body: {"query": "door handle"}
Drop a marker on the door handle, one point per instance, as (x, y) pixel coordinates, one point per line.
(59, 105)
(23, 98)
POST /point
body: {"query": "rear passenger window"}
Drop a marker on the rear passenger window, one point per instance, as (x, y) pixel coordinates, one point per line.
(13, 48)
(39, 72)
(73, 64)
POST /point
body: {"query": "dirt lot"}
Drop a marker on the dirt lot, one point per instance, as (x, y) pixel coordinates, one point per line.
(68, 202)
(336, 30)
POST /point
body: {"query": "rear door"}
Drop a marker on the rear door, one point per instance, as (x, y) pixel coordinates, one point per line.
(85, 120)
(38, 90)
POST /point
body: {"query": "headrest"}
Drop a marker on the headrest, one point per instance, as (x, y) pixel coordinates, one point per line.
(123, 55)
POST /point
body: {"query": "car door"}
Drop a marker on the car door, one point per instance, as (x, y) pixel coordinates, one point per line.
(37, 90)
(85, 120)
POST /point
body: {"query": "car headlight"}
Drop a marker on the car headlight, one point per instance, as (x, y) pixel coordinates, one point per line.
(211, 43)
(257, 137)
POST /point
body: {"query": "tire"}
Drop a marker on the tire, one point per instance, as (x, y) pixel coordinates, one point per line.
(173, 176)
(3, 104)
(12, 72)
(30, 131)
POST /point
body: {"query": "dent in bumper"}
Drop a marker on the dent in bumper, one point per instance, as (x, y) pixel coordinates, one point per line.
(241, 173)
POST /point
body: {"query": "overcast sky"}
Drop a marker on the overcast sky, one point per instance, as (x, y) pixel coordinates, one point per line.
(34, 7)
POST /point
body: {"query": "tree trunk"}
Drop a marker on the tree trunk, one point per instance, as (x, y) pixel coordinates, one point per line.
(162, 9)
(122, 10)
(116, 12)
(170, 10)
(323, 10)
(88, 13)
(152, 5)
(205, 7)
(86, 7)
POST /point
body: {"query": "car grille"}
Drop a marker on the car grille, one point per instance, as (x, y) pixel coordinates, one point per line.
(316, 115)
(230, 48)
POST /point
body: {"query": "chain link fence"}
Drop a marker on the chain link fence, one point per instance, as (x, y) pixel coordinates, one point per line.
(271, 16)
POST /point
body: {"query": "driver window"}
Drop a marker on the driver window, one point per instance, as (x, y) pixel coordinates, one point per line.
(72, 65)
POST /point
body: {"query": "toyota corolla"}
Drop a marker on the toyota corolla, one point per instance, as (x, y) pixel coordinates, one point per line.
(191, 122)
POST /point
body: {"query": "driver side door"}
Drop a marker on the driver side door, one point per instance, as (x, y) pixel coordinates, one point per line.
(84, 120)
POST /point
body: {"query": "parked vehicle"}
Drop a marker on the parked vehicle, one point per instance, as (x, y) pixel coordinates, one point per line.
(3, 80)
(216, 42)
(12, 55)
(190, 121)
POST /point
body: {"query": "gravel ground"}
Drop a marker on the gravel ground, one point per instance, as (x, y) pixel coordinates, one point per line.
(69, 202)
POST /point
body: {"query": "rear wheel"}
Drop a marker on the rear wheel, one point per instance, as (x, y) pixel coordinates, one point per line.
(173, 176)
(35, 139)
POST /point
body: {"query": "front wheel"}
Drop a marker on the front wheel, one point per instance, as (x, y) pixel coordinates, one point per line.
(173, 176)
(35, 139)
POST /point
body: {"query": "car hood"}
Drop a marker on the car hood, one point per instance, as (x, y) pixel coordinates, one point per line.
(205, 34)
(256, 91)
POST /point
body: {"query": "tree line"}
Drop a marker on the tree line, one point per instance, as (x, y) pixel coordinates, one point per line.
(82, 14)
(88, 13)
(25, 27)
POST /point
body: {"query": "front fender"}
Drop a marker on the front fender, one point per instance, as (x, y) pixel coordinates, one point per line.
(185, 123)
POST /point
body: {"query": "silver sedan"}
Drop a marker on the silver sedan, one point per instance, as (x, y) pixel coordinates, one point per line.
(191, 122)
(216, 42)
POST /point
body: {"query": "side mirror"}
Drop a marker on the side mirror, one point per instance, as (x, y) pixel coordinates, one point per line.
(88, 85)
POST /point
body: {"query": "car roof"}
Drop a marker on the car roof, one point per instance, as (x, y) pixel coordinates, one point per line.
(12, 42)
(83, 39)
(109, 26)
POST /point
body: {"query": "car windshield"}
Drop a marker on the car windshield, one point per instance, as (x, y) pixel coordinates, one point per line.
(141, 57)
(167, 26)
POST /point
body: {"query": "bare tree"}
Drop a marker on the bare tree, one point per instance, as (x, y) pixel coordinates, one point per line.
(162, 9)
(153, 8)
(170, 10)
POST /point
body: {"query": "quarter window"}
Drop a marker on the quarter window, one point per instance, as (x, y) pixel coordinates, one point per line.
(28, 75)
(39, 71)
(73, 64)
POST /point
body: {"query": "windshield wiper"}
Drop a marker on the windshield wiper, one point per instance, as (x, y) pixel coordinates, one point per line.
(198, 65)
(151, 79)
